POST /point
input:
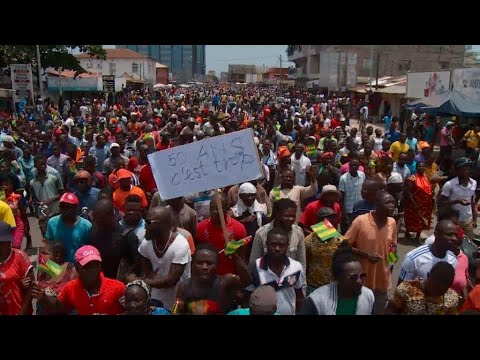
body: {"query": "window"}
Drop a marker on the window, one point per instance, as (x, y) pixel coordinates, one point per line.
(444, 65)
(366, 64)
(112, 67)
(135, 68)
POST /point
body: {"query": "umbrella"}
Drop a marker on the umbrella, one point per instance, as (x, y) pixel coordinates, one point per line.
(158, 86)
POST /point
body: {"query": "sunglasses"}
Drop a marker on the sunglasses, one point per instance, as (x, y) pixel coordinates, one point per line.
(355, 277)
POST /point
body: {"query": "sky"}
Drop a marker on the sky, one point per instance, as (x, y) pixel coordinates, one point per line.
(219, 56)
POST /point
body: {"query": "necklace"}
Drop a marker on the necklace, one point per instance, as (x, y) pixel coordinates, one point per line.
(161, 253)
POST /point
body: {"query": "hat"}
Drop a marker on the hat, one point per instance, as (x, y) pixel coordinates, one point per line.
(114, 145)
(123, 174)
(247, 188)
(463, 161)
(9, 139)
(327, 154)
(423, 145)
(325, 212)
(140, 283)
(283, 152)
(329, 189)
(449, 123)
(86, 254)
(5, 232)
(395, 178)
(263, 300)
(82, 174)
(69, 198)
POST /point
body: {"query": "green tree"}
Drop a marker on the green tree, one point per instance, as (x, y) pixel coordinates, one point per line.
(55, 56)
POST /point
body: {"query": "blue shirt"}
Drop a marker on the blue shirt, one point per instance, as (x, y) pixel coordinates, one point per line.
(72, 238)
(412, 167)
(388, 121)
(87, 199)
(412, 143)
(392, 137)
(361, 207)
(101, 154)
(243, 311)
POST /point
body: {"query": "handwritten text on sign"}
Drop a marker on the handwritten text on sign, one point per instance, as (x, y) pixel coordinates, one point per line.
(208, 164)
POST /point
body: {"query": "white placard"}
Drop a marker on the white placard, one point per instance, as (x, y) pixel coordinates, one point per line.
(22, 81)
(467, 82)
(207, 164)
(427, 83)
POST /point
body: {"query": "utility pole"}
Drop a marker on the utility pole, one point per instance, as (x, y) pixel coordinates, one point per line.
(281, 61)
(371, 67)
(378, 69)
(39, 69)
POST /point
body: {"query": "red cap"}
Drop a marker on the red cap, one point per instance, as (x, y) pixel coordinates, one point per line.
(86, 254)
(69, 198)
(123, 174)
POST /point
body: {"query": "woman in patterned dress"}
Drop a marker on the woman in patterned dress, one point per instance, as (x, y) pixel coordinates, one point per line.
(430, 296)
(418, 202)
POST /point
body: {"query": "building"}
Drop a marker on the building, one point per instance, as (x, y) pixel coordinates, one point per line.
(276, 74)
(125, 64)
(224, 76)
(242, 73)
(161, 73)
(186, 62)
(375, 60)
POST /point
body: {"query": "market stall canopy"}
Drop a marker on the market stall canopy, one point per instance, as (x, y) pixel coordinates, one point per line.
(395, 89)
(450, 102)
(159, 86)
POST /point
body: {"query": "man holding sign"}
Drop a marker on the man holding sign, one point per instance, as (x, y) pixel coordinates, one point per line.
(210, 231)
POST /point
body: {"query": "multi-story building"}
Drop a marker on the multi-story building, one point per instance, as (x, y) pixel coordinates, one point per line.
(378, 60)
(185, 62)
(241, 73)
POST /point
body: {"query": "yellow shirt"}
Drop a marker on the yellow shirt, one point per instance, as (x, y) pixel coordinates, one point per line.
(6, 214)
(472, 139)
(397, 148)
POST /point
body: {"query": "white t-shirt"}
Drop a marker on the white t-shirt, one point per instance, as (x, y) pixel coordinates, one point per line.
(324, 107)
(177, 253)
(327, 123)
(69, 122)
(378, 144)
(364, 112)
(83, 110)
(454, 191)
(300, 167)
(419, 262)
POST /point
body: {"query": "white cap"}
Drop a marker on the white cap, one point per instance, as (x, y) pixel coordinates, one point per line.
(395, 178)
(114, 145)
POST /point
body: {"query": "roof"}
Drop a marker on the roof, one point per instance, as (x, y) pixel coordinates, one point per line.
(395, 89)
(71, 74)
(117, 54)
(131, 77)
(388, 81)
(160, 66)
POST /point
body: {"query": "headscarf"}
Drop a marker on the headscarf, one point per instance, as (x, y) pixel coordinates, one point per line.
(256, 209)
(140, 283)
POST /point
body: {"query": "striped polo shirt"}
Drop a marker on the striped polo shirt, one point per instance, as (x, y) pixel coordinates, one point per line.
(291, 278)
(418, 263)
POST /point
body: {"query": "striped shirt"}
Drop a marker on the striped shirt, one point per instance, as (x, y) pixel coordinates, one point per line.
(418, 263)
(291, 279)
(351, 187)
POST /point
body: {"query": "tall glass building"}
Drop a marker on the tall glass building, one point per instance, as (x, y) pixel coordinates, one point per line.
(185, 62)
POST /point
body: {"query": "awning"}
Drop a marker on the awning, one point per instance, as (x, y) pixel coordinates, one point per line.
(395, 89)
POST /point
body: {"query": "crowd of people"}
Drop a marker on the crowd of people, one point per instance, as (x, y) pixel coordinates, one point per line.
(319, 228)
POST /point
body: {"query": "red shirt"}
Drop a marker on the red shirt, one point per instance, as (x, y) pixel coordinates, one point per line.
(208, 233)
(146, 178)
(74, 295)
(12, 271)
(309, 215)
(334, 123)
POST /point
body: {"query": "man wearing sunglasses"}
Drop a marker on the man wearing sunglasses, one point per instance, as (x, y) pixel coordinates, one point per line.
(345, 295)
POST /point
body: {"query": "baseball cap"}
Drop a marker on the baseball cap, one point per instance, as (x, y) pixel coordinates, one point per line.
(86, 254)
(325, 212)
(114, 145)
(5, 232)
(395, 178)
(449, 123)
(463, 161)
(69, 198)
(123, 174)
(329, 188)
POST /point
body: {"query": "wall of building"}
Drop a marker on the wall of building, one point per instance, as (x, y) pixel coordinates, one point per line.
(392, 60)
(144, 68)
(162, 76)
